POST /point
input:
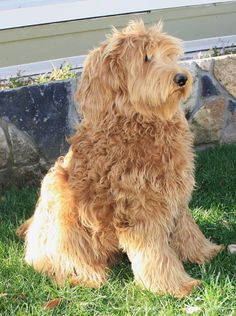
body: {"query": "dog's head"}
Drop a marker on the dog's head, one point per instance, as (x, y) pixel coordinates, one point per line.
(134, 70)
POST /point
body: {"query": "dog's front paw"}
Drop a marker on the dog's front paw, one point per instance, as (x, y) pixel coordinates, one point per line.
(179, 288)
(186, 288)
(208, 253)
(94, 284)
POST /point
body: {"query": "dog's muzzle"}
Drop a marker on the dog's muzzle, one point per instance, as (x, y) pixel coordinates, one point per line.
(180, 79)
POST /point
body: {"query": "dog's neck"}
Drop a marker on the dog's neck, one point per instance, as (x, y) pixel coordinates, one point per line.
(116, 118)
(161, 116)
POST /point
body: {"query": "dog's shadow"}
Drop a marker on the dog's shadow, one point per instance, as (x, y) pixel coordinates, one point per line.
(121, 272)
(214, 200)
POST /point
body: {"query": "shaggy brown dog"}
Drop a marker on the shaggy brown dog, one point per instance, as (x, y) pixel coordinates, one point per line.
(127, 179)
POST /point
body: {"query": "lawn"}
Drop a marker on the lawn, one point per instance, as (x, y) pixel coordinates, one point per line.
(25, 292)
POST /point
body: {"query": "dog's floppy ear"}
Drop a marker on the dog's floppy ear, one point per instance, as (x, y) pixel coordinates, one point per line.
(95, 91)
(92, 94)
(103, 77)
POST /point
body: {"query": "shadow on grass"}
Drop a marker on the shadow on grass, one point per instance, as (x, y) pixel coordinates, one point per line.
(214, 200)
(16, 205)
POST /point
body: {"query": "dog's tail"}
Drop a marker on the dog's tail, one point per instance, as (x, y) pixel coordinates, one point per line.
(22, 230)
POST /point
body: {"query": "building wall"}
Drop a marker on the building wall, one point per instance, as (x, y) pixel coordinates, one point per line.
(58, 40)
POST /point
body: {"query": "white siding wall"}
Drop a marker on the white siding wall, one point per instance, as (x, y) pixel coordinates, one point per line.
(18, 13)
(202, 24)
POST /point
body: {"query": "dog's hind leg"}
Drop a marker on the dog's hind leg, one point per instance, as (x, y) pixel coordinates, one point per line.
(56, 242)
(189, 242)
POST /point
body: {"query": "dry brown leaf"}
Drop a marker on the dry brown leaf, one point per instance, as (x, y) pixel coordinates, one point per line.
(52, 303)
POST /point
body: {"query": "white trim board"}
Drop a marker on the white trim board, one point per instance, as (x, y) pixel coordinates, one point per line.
(208, 43)
(16, 16)
(41, 67)
(76, 62)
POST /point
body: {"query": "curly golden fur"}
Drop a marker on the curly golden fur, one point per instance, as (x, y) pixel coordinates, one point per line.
(125, 184)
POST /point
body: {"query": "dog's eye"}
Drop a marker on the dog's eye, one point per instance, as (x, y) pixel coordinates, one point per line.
(148, 58)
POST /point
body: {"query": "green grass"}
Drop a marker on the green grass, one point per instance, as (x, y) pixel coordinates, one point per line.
(214, 208)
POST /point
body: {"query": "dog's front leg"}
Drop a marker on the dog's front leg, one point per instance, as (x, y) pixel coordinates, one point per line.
(155, 265)
(189, 242)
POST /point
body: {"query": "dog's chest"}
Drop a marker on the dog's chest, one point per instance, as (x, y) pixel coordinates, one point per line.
(163, 155)
(170, 146)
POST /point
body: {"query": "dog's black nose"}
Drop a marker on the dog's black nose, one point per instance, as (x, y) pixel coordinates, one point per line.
(180, 79)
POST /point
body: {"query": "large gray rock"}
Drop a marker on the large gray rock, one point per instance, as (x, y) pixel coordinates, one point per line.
(23, 149)
(28, 174)
(225, 73)
(4, 149)
(189, 105)
(204, 64)
(44, 113)
(208, 122)
(229, 132)
(6, 178)
(37, 121)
